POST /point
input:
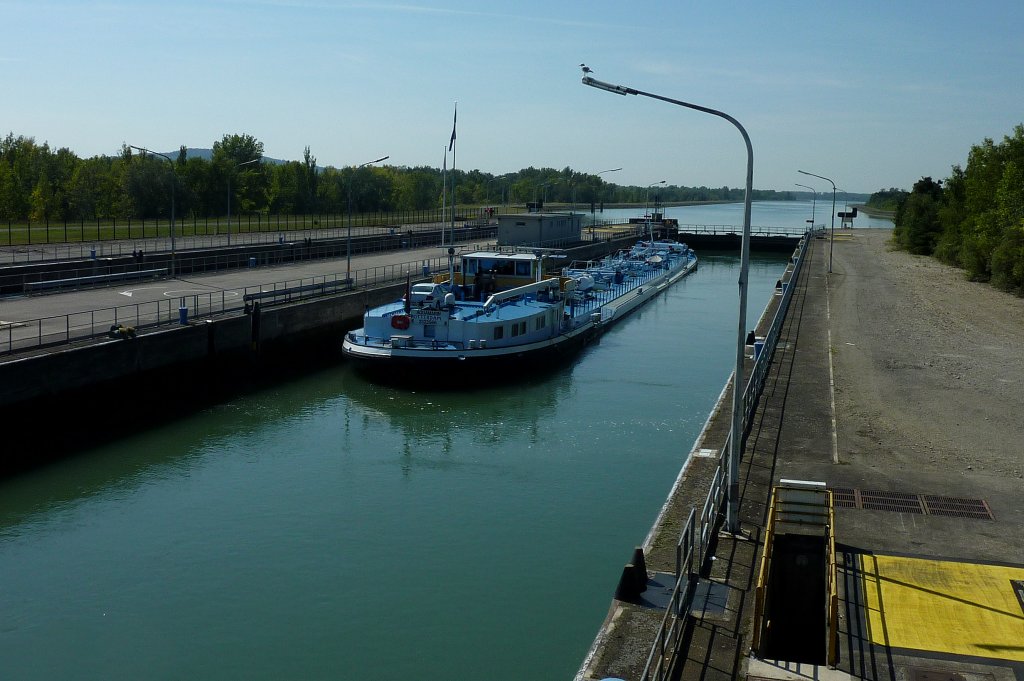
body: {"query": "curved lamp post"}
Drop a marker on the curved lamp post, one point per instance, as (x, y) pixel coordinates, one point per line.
(348, 240)
(237, 166)
(593, 209)
(647, 195)
(736, 445)
(174, 181)
(832, 236)
(814, 201)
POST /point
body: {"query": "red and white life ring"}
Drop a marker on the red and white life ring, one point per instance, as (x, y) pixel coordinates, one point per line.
(400, 321)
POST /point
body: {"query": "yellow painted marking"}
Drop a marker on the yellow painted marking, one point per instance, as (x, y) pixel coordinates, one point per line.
(943, 606)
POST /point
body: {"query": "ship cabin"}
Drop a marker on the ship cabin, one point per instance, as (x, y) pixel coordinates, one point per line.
(485, 272)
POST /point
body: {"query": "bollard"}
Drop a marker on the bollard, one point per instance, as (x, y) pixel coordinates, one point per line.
(627, 588)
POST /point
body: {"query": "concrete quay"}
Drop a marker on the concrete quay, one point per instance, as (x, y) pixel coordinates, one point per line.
(925, 463)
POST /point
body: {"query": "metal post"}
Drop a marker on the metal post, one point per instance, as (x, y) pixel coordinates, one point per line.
(174, 181)
(736, 443)
(244, 163)
(832, 236)
(814, 201)
(348, 240)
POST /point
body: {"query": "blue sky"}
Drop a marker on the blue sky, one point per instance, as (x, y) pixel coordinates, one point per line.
(871, 94)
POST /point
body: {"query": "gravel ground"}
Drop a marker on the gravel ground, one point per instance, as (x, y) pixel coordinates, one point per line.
(929, 370)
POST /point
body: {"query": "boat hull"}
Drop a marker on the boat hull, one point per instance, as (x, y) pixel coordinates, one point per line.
(409, 364)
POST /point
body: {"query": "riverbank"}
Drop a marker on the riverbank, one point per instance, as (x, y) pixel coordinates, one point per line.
(873, 212)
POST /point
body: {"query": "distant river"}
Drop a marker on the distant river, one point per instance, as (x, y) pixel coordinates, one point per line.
(331, 529)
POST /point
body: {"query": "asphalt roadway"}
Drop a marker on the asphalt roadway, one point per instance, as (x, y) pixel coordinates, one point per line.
(21, 308)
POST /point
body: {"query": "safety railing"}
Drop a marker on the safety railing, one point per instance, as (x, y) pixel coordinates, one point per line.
(666, 641)
(761, 587)
(665, 646)
(833, 586)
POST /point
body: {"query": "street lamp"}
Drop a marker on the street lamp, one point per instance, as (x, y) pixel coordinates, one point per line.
(593, 208)
(832, 236)
(733, 490)
(174, 178)
(647, 195)
(647, 206)
(348, 240)
(243, 163)
(814, 201)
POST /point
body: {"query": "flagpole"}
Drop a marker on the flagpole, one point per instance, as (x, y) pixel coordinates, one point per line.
(451, 148)
(444, 196)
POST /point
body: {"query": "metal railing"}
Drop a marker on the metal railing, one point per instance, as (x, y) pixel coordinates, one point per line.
(96, 231)
(665, 647)
(44, 332)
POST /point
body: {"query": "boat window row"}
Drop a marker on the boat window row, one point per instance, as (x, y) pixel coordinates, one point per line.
(515, 268)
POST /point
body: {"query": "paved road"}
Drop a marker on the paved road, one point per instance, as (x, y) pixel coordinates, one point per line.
(25, 307)
(28, 320)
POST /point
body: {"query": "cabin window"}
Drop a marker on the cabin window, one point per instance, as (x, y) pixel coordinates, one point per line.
(523, 268)
(499, 332)
(541, 322)
(522, 328)
(470, 266)
(429, 330)
(505, 267)
(515, 330)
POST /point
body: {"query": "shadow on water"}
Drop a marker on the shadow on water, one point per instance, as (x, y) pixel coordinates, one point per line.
(71, 423)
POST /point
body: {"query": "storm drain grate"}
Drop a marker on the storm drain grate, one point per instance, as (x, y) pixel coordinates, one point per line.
(904, 502)
(900, 502)
(957, 507)
(844, 497)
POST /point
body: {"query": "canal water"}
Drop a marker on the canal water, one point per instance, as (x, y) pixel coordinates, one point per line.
(329, 528)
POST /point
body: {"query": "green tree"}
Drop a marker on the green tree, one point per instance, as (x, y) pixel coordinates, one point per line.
(917, 218)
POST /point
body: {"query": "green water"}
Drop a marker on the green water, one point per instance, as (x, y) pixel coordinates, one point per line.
(333, 529)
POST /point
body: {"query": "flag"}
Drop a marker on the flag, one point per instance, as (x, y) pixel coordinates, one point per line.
(451, 144)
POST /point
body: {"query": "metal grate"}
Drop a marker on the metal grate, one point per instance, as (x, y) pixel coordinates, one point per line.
(905, 502)
(844, 497)
(900, 502)
(957, 507)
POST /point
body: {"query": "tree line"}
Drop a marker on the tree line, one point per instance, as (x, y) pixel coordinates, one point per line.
(38, 183)
(974, 219)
